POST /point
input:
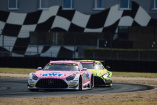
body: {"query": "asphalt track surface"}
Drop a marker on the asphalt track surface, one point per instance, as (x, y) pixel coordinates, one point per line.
(16, 88)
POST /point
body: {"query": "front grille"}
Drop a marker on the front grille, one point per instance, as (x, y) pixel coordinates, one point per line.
(98, 81)
(51, 83)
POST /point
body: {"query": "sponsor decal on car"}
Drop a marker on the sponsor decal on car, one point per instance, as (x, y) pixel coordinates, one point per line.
(32, 84)
(87, 75)
(108, 81)
(71, 85)
(52, 75)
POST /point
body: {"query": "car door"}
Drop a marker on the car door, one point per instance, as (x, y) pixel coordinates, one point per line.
(84, 73)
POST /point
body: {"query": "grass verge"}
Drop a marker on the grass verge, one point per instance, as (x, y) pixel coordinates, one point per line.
(115, 74)
(135, 74)
(17, 70)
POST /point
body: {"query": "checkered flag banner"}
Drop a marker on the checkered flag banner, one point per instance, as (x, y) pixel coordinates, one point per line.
(15, 27)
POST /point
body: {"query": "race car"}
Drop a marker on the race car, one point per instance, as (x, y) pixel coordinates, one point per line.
(102, 77)
(61, 75)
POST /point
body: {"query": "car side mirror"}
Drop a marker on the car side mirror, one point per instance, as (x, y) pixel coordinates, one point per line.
(39, 68)
(107, 67)
(84, 69)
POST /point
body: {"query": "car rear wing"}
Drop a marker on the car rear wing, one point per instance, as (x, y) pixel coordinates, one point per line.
(86, 62)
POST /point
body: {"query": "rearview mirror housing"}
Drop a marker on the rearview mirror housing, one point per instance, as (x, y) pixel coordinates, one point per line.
(107, 67)
(84, 69)
(39, 68)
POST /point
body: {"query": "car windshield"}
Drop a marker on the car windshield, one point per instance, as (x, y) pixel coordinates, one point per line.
(98, 66)
(61, 67)
(88, 66)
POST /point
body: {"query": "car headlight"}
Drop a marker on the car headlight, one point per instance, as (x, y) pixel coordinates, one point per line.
(34, 77)
(106, 75)
(71, 77)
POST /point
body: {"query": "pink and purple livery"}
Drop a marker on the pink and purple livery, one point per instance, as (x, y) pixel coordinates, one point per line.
(61, 75)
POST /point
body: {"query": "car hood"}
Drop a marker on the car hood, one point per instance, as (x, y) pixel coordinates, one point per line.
(98, 72)
(54, 74)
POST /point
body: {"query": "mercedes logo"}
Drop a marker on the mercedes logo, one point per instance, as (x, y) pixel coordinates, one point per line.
(51, 82)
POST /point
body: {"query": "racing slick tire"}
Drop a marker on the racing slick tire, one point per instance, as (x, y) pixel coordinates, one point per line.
(80, 83)
(92, 83)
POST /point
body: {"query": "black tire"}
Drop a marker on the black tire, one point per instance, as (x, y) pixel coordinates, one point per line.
(80, 84)
(92, 82)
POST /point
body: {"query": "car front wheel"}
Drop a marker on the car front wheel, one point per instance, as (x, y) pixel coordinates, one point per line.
(92, 83)
(80, 84)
